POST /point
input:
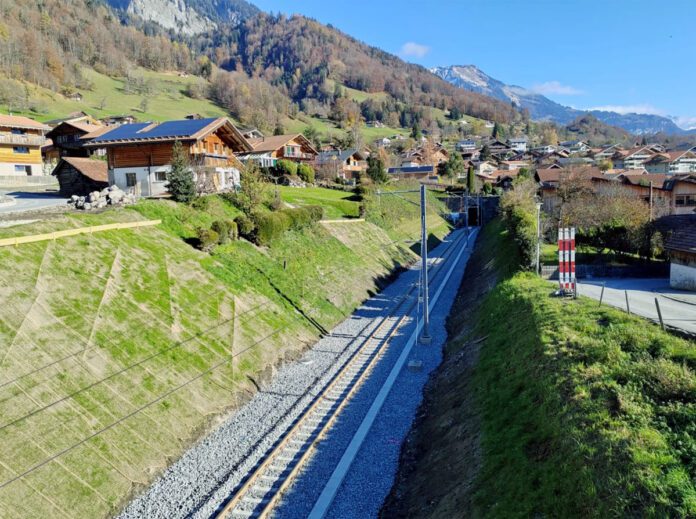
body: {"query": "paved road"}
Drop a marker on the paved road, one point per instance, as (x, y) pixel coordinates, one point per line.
(678, 306)
(31, 201)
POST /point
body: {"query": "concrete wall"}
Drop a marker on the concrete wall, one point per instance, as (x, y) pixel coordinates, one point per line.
(148, 185)
(8, 169)
(682, 276)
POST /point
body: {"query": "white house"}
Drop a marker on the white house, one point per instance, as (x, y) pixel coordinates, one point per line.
(518, 144)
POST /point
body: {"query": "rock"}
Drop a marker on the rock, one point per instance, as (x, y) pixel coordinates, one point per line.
(87, 206)
(74, 198)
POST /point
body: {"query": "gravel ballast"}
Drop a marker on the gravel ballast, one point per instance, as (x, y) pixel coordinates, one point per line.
(205, 475)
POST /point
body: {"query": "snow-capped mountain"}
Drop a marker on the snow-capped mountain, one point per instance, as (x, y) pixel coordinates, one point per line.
(540, 107)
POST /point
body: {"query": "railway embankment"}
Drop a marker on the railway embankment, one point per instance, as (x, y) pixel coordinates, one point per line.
(549, 407)
(119, 349)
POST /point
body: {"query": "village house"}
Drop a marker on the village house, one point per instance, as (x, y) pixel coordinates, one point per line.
(543, 150)
(384, 142)
(499, 178)
(411, 172)
(74, 117)
(21, 140)
(518, 144)
(550, 178)
(139, 155)
(575, 146)
(633, 158)
(341, 164)
(67, 140)
(672, 162)
(485, 167)
(266, 151)
(465, 145)
(509, 165)
(80, 176)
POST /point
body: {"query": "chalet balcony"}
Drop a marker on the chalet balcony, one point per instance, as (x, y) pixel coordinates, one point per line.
(299, 156)
(22, 140)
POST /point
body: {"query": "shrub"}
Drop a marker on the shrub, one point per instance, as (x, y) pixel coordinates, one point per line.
(306, 173)
(286, 167)
(207, 239)
(316, 211)
(519, 211)
(245, 226)
(226, 229)
(270, 226)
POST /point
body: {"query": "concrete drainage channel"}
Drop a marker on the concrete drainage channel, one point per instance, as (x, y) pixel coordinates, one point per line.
(215, 475)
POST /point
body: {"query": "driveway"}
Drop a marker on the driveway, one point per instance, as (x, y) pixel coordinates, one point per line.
(678, 306)
(20, 201)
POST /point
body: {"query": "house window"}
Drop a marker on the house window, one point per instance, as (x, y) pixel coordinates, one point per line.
(291, 151)
(160, 176)
(130, 179)
(20, 149)
(21, 169)
(685, 200)
(18, 131)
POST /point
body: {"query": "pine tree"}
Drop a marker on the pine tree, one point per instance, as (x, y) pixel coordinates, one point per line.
(180, 178)
(470, 180)
(375, 170)
(416, 131)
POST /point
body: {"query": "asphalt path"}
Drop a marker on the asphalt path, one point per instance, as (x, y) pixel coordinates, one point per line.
(678, 306)
(29, 201)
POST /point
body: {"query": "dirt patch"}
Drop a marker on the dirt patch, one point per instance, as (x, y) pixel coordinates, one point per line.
(441, 456)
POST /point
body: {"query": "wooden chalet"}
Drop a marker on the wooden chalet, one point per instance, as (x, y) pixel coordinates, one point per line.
(139, 155)
(266, 151)
(341, 164)
(80, 175)
(67, 140)
(21, 140)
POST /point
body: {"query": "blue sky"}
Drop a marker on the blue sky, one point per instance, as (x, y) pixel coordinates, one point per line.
(625, 55)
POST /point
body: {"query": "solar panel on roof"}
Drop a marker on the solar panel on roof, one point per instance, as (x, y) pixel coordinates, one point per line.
(184, 128)
(126, 131)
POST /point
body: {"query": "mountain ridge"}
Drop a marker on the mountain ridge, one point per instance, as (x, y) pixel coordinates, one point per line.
(472, 78)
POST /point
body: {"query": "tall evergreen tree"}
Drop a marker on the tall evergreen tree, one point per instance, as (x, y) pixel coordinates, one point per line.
(471, 180)
(416, 131)
(376, 171)
(180, 178)
(485, 153)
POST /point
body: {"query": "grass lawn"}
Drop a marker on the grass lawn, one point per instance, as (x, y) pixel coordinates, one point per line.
(586, 411)
(336, 203)
(166, 102)
(586, 255)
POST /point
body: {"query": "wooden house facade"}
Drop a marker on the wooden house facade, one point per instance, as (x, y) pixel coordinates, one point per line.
(139, 156)
(266, 151)
(80, 176)
(21, 140)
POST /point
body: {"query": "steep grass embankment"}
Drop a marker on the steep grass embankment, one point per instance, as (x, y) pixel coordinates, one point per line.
(556, 408)
(116, 347)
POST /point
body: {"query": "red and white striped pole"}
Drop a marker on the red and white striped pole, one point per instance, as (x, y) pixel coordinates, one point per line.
(572, 259)
(561, 263)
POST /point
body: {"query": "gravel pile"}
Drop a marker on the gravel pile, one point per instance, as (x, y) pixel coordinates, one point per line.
(205, 476)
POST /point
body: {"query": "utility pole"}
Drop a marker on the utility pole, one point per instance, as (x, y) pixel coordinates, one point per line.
(425, 333)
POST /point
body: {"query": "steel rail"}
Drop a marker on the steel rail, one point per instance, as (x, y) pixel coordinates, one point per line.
(326, 422)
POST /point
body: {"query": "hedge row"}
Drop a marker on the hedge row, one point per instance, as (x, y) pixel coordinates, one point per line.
(263, 228)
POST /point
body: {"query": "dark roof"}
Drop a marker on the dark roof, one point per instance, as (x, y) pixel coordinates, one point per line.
(679, 232)
(94, 169)
(328, 156)
(411, 169)
(184, 129)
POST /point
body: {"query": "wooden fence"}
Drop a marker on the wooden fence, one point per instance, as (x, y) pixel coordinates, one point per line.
(5, 242)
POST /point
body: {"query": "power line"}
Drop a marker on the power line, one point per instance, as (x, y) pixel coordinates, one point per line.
(133, 413)
(109, 377)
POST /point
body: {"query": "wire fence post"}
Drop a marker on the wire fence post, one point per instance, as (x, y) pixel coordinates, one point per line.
(601, 295)
(659, 314)
(628, 307)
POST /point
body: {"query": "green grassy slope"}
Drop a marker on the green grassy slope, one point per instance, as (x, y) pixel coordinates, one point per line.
(96, 327)
(586, 411)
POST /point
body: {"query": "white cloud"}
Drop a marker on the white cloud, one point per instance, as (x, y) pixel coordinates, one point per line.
(687, 123)
(556, 88)
(413, 49)
(630, 109)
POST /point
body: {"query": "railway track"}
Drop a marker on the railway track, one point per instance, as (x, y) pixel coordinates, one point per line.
(262, 489)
